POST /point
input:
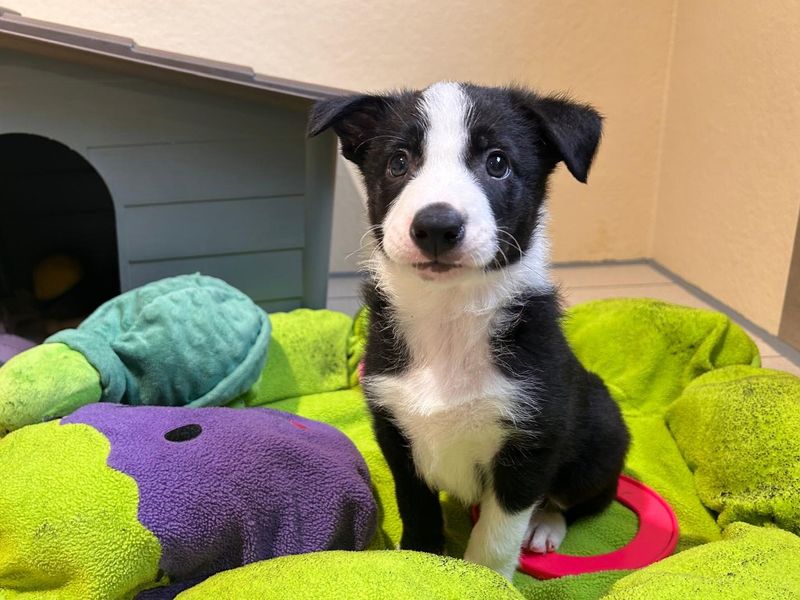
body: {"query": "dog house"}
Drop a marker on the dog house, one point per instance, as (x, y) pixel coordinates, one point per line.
(142, 164)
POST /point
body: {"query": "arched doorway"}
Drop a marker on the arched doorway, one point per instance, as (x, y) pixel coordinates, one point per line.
(58, 237)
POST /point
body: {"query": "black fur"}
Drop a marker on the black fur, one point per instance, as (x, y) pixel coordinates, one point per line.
(569, 451)
(572, 449)
(371, 129)
(418, 504)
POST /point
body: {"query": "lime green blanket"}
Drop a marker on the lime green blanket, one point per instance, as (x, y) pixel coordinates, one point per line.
(373, 575)
(712, 432)
(650, 355)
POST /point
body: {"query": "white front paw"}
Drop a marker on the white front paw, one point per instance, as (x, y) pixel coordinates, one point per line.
(509, 570)
(506, 570)
(546, 531)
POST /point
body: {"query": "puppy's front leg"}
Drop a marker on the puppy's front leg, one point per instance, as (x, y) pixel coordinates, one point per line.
(497, 536)
(420, 510)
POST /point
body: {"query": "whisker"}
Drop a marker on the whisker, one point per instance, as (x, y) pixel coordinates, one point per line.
(511, 237)
(397, 114)
(378, 137)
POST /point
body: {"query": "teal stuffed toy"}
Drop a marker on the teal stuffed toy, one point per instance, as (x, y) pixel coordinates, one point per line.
(190, 340)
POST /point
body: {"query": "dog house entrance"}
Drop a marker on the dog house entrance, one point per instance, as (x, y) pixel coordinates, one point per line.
(58, 237)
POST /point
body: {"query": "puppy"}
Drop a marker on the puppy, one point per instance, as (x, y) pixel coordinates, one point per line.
(472, 386)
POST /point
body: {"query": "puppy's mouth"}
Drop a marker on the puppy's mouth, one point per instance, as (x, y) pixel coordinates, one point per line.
(435, 266)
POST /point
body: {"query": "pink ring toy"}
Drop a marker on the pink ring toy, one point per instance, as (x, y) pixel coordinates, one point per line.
(655, 539)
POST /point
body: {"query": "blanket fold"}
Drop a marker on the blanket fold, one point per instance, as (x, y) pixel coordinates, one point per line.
(350, 576)
(43, 383)
(308, 354)
(738, 430)
(749, 563)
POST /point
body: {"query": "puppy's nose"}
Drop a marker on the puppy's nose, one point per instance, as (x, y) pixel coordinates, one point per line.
(437, 228)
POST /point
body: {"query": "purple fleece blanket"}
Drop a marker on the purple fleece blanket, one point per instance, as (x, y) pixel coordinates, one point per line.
(223, 487)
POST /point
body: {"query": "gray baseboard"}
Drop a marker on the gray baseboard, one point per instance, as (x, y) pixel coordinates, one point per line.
(787, 351)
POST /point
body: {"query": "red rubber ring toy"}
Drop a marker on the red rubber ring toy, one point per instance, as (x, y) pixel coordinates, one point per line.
(655, 539)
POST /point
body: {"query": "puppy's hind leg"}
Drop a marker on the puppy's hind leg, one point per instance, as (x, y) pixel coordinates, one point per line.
(497, 536)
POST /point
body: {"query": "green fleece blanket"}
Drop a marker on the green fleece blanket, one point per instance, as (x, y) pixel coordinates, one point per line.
(749, 563)
(648, 352)
(84, 538)
(712, 432)
(739, 430)
(356, 575)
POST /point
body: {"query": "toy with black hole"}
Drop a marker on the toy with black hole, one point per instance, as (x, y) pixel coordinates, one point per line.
(216, 487)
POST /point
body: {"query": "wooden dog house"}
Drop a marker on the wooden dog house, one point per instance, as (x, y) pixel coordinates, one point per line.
(160, 164)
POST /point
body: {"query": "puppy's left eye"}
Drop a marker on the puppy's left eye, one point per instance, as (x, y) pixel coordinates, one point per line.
(398, 164)
(497, 165)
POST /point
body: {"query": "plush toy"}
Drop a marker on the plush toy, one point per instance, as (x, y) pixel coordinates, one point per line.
(56, 275)
(115, 499)
(189, 340)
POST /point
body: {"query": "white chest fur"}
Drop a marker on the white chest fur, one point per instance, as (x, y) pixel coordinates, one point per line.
(454, 430)
(452, 401)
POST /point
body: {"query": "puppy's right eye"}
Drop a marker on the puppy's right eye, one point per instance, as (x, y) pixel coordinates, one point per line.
(398, 164)
(497, 165)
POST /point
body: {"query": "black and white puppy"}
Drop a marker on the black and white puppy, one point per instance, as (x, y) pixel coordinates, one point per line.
(471, 383)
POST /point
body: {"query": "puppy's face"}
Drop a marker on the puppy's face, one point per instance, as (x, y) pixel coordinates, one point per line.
(456, 174)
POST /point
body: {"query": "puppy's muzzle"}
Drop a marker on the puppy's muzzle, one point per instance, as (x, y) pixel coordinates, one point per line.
(437, 229)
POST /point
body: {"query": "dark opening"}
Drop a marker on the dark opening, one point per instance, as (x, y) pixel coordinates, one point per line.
(183, 433)
(58, 237)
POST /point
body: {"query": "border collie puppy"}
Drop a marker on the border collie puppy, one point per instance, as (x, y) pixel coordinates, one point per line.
(471, 384)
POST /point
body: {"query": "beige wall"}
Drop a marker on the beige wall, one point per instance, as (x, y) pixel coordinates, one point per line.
(699, 165)
(611, 53)
(729, 189)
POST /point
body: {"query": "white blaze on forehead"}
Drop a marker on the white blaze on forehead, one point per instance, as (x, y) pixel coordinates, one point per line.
(445, 106)
(444, 177)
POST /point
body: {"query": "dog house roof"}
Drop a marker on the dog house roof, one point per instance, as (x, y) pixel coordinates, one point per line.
(122, 53)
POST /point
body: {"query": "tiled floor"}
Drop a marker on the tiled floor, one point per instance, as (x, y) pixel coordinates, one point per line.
(582, 283)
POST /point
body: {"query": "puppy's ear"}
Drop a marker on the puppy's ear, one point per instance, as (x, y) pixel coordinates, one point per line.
(573, 129)
(353, 118)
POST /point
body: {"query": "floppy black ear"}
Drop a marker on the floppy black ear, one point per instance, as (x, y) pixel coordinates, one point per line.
(353, 118)
(573, 129)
